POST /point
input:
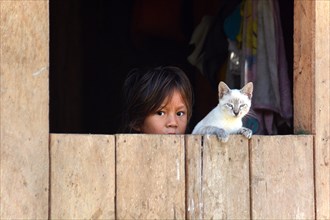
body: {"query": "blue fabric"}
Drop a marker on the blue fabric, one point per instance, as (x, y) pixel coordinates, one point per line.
(232, 24)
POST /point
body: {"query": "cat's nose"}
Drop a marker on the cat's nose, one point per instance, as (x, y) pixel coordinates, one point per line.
(236, 113)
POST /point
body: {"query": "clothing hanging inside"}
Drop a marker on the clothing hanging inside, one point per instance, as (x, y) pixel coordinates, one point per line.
(247, 37)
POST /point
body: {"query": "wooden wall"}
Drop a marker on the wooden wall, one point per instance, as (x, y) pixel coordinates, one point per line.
(322, 108)
(24, 133)
(282, 177)
(82, 177)
(312, 89)
(178, 177)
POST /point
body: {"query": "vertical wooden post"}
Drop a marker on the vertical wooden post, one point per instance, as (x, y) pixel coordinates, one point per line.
(24, 163)
(322, 109)
(303, 68)
(311, 89)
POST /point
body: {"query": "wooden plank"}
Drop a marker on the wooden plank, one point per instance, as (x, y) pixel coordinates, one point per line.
(282, 185)
(24, 134)
(311, 71)
(218, 178)
(322, 109)
(150, 176)
(226, 178)
(82, 176)
(194, 202)
(303, 68)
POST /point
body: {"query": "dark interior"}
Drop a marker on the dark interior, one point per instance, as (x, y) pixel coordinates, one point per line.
(94, 44)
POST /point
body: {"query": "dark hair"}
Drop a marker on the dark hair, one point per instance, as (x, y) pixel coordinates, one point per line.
(144, 91)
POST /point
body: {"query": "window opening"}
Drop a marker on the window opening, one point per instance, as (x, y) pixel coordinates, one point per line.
(94, 45)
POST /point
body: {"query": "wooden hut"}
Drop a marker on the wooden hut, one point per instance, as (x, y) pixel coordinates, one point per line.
(66, 176)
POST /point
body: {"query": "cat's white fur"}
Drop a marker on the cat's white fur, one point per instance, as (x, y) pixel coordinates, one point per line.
(226, 117)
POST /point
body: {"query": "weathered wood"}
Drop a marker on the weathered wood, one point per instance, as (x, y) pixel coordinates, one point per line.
(303, 68)
(218, 178)
(24, 163)
(311, 89)
(150, 177)
(194, 191)
(322, 109)
(82, 176)
(282, 185)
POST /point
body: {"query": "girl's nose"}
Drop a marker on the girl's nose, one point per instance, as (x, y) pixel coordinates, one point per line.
(172, 121)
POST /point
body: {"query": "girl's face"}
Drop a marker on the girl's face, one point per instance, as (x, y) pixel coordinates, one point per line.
(170, 118)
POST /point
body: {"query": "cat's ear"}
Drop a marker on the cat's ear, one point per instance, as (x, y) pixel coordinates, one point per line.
(248, 89)
(223, 89)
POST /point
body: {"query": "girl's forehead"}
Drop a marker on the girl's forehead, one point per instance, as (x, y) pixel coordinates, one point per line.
(174, 97)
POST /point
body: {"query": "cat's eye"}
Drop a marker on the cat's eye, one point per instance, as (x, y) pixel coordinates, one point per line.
(229, 105)
(243, 106)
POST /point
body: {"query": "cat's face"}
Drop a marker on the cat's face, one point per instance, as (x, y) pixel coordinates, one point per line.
(235, 103)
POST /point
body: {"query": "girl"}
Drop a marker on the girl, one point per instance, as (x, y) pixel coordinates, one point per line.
(157, 101)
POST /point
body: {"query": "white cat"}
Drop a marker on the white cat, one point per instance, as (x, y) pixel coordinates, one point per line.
(226, 117)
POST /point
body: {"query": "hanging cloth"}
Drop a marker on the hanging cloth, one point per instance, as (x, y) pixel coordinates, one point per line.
(264, 63)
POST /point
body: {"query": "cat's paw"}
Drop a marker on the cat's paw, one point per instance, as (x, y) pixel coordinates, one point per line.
(222, 135)
(246, 132)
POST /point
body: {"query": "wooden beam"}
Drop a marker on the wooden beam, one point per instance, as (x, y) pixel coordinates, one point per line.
(311, 89)
(24, 158)
(303, 68)
(322, 109)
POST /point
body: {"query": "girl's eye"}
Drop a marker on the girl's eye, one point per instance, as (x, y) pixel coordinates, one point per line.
(180, 113)
(160, 113)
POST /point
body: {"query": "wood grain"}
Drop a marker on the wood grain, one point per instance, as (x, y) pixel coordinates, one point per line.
(218, 178)
(24, 98)
(304, 65)
(150, 177)
(82, 176)
(194, 165)
(282, 181)
(322, 109)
